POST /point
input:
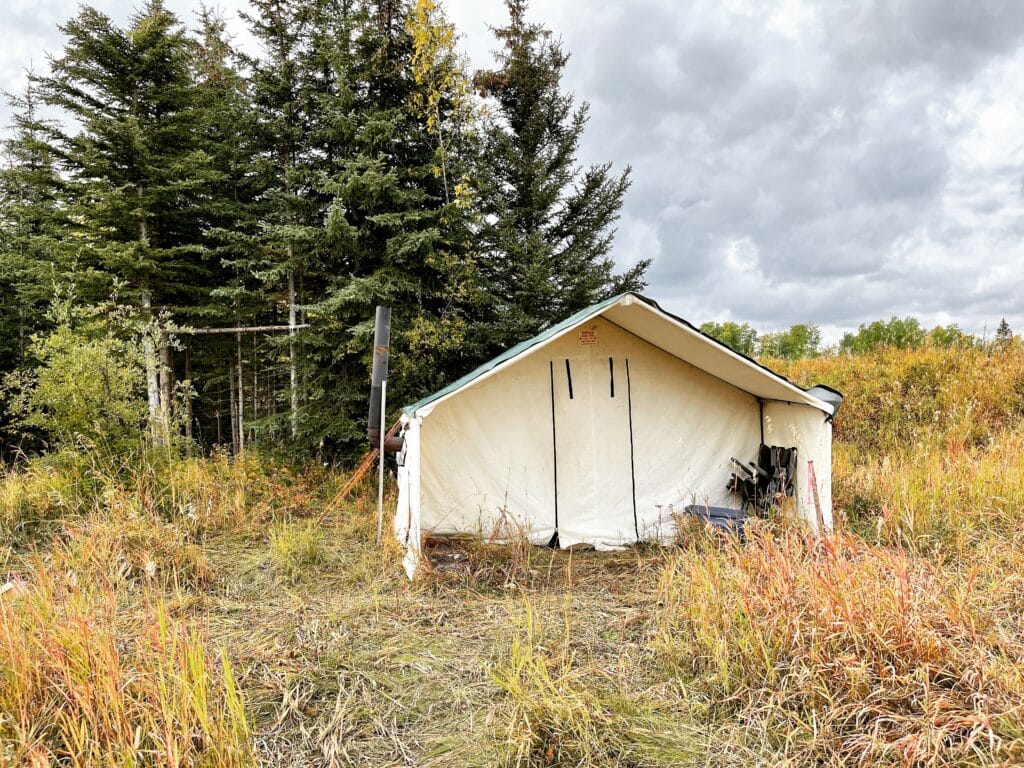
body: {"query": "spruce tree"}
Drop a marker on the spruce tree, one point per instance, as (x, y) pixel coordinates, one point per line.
(33, 264)
(132, 153)
(230, 224)
(548, 223)
(31, 221)
(285, 86)
(1004, 335)
(398, 229)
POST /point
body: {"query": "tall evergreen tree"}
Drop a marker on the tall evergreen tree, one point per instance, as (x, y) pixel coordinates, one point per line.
(398, 230)
(31, 219)
(33, 263)
(229, 222)
(133, 157)
(286, 82)
(548, 223)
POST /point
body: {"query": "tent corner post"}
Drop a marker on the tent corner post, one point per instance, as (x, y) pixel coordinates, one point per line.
(380, 461)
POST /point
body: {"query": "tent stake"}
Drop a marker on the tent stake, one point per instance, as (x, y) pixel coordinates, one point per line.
(380, 470)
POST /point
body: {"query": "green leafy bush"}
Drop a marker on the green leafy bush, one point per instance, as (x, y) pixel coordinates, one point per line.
(85, 391)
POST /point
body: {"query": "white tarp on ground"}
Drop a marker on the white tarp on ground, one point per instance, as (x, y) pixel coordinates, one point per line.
(604, 431)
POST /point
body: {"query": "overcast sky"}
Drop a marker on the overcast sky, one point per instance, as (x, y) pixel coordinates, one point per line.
(832, 162)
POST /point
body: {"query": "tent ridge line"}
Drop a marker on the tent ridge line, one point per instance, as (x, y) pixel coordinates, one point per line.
(599, 309)
(683, 321)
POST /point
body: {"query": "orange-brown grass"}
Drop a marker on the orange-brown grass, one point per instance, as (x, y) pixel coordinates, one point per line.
(835, 652)
(202, 495)
(85, 684)
(563, 707)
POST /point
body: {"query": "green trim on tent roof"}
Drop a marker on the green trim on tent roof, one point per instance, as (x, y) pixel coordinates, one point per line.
(558, 328)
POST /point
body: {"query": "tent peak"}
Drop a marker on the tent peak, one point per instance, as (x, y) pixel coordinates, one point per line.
(672, 333)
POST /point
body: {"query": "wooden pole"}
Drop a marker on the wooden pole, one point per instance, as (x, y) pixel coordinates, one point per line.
(813, 482)
(240, 329)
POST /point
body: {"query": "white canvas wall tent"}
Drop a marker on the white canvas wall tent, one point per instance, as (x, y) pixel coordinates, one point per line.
(602, 430)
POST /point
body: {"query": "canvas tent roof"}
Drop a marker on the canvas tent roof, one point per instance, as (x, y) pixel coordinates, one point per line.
(643, 318)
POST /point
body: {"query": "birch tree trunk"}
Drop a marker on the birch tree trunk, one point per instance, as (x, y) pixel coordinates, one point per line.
(255, 380)
(149, 355)
(148, 352)
(188, 396)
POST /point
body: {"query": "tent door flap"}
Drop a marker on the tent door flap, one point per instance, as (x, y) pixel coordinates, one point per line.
(593, 450)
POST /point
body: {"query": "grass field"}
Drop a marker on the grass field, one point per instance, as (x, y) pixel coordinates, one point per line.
(203, 612)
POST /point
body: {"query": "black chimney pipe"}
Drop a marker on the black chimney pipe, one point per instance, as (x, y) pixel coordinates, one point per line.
(381, 343)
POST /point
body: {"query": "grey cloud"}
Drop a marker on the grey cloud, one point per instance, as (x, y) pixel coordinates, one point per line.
(954, 37)
(826, 160)
(829, 154)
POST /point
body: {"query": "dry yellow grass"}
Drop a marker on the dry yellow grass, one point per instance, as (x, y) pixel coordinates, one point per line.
(218, 612)
(844, 653)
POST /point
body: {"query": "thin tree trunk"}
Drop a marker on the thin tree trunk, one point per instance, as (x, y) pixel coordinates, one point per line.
(255, 380)
(272, 390)
(152, 368)
(166, 382)
(294, 372)
(188, 396)
(234, 410)
(149, 354)
(241, 396)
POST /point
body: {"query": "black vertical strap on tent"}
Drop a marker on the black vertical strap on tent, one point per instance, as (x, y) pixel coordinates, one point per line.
(554, 450)
(568, 376)
(611, 374)
(760, 405)
(632, 461)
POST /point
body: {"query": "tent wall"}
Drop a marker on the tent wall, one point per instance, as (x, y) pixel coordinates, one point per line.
(487, 454)
(810, 432)
(407, 510)
(489, 449)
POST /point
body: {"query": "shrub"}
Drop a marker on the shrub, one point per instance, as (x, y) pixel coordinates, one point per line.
(86, 390)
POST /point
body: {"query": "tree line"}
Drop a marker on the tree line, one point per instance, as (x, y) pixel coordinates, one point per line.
(160, 185)
(804, 339)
